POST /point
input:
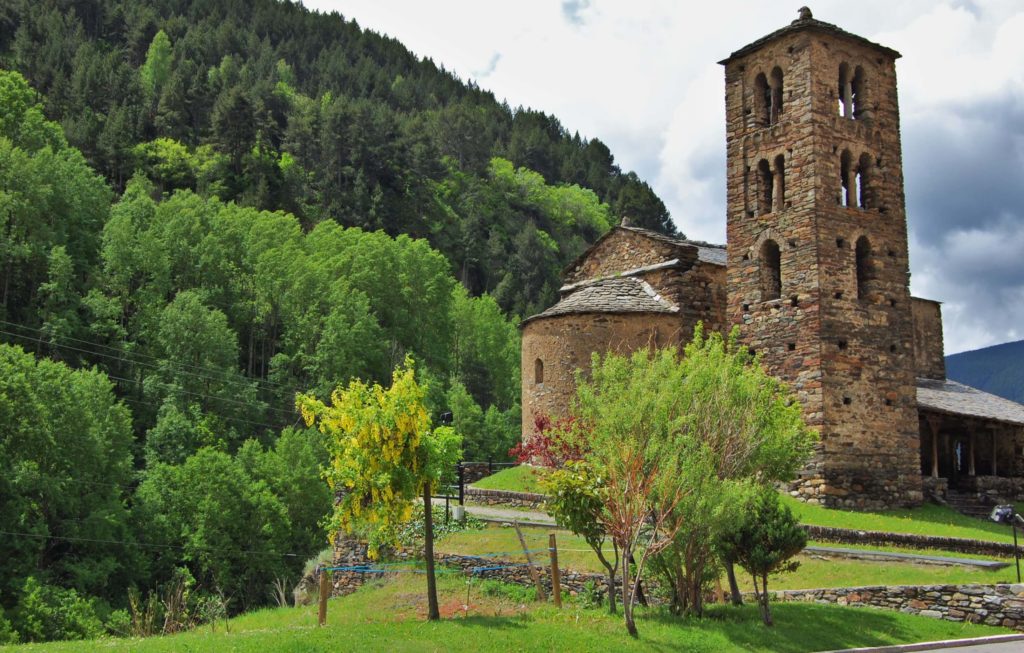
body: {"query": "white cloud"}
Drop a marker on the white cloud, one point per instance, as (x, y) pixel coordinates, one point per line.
(641, 77)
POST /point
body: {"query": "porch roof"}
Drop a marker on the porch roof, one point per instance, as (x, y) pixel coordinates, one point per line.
(945, 396)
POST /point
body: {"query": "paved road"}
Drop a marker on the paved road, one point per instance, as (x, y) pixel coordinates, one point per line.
(510, 514)
(1005, 647)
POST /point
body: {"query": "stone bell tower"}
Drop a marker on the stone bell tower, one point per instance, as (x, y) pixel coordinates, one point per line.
(817, 250)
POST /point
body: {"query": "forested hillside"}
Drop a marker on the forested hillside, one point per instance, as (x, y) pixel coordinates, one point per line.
(205, 208)
(998, 369)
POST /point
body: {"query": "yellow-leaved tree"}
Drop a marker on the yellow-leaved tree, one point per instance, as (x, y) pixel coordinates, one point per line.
(384, 453)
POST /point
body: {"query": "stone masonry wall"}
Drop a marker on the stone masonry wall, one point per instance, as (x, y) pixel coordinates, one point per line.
(564, 344)
(929, 359)
(841, 333)
(622, 250)
(995, 605)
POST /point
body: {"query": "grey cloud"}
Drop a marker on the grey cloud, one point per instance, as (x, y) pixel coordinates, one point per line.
(965, 207)
(573, 10)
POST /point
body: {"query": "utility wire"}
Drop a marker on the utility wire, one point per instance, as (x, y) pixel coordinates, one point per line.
(40, 536)
(124, 355)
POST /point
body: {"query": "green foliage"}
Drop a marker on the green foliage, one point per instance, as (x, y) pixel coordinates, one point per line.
(232, 530)
(157, 68)
(382, 453)
(65, 466)
(764, 542)
(412, 533)
(47, 613)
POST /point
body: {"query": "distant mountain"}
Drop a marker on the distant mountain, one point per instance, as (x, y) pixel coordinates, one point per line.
(998, 369)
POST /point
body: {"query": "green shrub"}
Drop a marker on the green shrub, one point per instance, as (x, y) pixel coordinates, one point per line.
(47, 613)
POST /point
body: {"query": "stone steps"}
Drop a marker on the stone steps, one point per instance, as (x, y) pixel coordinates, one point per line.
(969, 504)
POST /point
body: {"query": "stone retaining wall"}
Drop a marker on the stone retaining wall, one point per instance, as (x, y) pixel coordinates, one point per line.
(502, 498)
(995, 605)
(957, 544)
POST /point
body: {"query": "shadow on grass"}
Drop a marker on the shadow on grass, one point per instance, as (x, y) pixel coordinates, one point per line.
(798, 627)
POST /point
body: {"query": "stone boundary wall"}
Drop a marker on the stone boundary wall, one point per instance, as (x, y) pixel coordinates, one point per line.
(995, 605)
(957, 544)
(504, 498)
(474, 471)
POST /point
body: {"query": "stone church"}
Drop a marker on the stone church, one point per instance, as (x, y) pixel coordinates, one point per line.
(816, 275)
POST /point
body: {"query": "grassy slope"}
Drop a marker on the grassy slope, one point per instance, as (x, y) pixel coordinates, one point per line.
(388, 617)
(521, 478)
(814, 571)
(928, 519)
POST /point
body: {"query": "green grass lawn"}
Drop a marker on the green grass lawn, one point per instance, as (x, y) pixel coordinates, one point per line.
(928, 519)
(521, 478)
(388, 616)
(814, 570)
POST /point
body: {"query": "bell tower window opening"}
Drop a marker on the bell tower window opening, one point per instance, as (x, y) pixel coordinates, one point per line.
(847, 188)
(845, 91)
(857, 87)
(766, 187)
(780, 183)
(864, 266)
(771, 271)
(538, 371)
(775, 96)
(762, 100)
(864, 182)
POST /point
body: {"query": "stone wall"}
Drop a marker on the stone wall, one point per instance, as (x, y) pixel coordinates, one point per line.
(501, 498)
(621, 250)
(565, 343)
(881, 538)
(994, 605)
(841, 332)
(929, 353)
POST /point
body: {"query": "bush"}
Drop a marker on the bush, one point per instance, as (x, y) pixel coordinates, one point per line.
(411, 533)
(46, 613)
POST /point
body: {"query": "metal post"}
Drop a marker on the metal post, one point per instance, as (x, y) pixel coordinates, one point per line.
(1016, 551)
(462, 484)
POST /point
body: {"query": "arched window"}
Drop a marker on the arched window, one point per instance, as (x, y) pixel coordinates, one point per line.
(858, 98)
(766, 187)
(780, 182)
(775, 104)
(852, 92)
(538, 371)
(762, 100)
(771, 271)
(864, 266)
(864, 198)
(845, 91)
(847, 187)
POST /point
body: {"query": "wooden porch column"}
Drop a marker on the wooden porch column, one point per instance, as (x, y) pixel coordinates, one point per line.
(970, 456)
(993, 452)
(933, 423)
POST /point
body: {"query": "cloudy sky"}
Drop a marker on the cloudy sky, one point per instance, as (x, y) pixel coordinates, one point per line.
(641, 76)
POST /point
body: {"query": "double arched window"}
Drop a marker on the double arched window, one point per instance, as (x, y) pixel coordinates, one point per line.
(771, 185)
(855, 181)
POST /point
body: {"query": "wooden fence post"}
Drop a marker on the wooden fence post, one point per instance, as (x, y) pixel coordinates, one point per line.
(325, 592)
(556, 581)
(529, 564)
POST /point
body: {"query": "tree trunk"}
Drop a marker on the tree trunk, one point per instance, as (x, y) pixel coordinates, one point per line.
(610, 567)
(433, 613)
(627, 594)
(766, 613)
(640, 597)
(734, 588)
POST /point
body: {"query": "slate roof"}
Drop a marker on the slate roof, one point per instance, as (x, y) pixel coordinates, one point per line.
(945, 396)
(613, 295)
(807, 22)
